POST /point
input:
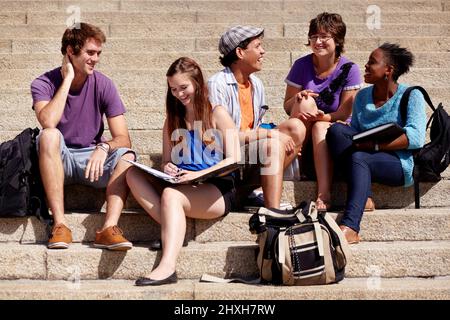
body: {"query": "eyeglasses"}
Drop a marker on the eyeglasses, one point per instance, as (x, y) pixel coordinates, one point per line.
(323, 38)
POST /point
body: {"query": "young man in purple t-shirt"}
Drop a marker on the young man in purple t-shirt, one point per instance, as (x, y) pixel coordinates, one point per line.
(70, 102)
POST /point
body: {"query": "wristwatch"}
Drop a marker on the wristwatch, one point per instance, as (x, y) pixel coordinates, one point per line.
(104, 146)
(376, 147)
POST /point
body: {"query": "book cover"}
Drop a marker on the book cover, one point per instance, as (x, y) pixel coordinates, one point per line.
(385, 132)
(168, 178)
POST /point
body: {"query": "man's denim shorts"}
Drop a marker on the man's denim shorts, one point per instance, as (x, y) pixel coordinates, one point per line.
(76, 160)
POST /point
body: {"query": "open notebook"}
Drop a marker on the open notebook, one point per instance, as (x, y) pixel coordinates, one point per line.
(161, 175)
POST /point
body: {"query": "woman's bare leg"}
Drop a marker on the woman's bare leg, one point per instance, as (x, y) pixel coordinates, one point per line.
(322, 164)
(204, 201)
(145, 192)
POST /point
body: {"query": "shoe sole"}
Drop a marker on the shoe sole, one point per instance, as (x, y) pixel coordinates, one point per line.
(58, 245)
(124, 246)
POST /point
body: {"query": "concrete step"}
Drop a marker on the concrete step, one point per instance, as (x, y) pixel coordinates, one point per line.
(171, 30)
(356, 15)
(200, 44)
(431, 195)
(134, 78)
(104, 290)
(54, 5)
(207, 60)
(351, 43)
(271, 30)
(18, 101)
(223, 259)
(138, 118)
(224, 5)
(349, 288)
(145, 142)
(138, 78)
(247, 5)
(381, 225)
(80, 197)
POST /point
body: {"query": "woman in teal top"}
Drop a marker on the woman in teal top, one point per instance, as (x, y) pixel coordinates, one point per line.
(194, 136)
(390, 162)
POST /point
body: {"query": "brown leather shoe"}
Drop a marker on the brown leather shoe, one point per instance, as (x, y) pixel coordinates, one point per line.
(350, 235)
(111, 238)
(370, 205)
(61, 237)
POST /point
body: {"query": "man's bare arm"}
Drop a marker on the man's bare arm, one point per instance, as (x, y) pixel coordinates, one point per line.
(49, 113)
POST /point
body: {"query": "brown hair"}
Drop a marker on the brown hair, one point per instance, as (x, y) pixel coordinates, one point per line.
(76, 37)
(332, 23)
(175, 110)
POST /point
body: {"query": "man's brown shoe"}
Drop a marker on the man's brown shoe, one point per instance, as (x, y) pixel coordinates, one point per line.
(370, 205)
(61, 237)
(350, 234)
(111, 238)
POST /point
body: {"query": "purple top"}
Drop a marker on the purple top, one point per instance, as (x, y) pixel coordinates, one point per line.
(302, 76)
(82, 121)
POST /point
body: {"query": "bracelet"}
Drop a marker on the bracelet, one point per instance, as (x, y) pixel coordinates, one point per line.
(376, 147)
(102, 148)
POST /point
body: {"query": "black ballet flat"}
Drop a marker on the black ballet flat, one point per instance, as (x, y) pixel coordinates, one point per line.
(156, 245)
(151, 282)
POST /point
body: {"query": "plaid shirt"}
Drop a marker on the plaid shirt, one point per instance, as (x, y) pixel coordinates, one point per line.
(223, 91)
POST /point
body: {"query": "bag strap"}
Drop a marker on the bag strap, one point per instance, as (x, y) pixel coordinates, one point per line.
(319, 238)
(338, 81)
(281, 247)
(405, 99)
(209, 278)
(335, 228)
(403, 111)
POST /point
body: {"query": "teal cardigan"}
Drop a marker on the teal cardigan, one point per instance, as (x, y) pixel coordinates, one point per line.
(365, 116)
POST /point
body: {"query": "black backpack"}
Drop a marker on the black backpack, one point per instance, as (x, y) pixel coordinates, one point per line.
(21, 190)
(434, 157)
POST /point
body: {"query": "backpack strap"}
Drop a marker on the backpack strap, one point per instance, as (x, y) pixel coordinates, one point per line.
(405, 99)
(403, 110)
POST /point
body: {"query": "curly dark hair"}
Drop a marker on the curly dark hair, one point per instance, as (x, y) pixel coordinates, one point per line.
(400, 58)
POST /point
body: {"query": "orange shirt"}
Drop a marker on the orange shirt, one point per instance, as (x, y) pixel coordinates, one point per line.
(246, 103)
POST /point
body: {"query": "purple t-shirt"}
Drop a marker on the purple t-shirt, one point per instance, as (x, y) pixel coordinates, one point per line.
(82, 121)
(302, 76)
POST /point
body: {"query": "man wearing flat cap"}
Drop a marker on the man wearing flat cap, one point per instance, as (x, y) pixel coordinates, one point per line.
(242, 93)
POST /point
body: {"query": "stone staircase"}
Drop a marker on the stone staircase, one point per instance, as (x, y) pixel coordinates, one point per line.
(405, 253)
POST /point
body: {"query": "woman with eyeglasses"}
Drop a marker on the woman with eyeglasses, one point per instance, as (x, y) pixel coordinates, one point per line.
(320, 90)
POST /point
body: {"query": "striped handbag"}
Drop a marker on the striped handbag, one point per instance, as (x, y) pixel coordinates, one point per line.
(302, 246)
